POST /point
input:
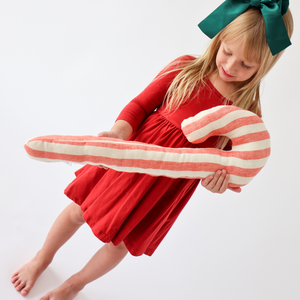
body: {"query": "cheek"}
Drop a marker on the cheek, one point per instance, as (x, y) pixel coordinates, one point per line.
(220, 60)
(248, 74)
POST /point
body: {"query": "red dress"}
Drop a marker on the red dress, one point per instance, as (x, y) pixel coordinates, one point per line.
(135, 208)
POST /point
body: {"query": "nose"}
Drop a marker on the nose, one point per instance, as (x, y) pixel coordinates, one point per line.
(231, 65)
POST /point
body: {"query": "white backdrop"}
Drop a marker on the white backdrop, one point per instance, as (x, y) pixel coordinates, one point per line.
(69, 67)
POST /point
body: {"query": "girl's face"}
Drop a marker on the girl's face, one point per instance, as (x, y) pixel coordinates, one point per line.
(232, 65)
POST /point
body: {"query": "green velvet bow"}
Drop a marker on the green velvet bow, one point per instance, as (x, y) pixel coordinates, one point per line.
(272, 11)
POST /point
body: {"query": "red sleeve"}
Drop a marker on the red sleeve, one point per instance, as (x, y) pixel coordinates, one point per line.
(136, 111)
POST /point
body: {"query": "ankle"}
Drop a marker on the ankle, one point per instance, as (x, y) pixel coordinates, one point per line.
(43, 259)
(76, 282)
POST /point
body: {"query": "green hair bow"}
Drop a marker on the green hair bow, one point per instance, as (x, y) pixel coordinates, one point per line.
(272, 11)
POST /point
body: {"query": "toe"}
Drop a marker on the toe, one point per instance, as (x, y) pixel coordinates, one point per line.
(20, 286)
(24, 292)
(26, 289)
(46, 297)
(14, 278)
(17, 283)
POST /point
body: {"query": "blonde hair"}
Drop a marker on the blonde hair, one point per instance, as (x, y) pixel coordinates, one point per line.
(250, 27)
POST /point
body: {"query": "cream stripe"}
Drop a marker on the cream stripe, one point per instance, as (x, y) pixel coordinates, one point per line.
(203, 131)
(225, 110)
(247, 129)
(149, 155)
(254, 146)
(226, 119)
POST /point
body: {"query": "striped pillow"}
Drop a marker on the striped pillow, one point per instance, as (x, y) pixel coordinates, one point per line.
(250, 149)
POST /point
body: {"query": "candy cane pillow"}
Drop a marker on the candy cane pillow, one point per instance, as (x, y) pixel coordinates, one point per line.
(250, 149)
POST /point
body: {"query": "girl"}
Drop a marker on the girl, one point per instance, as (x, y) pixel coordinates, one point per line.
(134, 212)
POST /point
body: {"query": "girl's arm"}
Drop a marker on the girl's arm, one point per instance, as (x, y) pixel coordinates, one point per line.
(121, 130)
(152, 97)
(136, 111)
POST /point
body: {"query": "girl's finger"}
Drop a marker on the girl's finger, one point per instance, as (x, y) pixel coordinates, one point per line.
(103, 134)
(235, 189)
(224, 185)
(219, 178)
(206, 181)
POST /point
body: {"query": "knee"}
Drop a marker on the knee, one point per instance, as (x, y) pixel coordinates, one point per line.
(76, 214)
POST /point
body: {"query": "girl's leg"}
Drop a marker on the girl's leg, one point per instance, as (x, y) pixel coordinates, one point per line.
(63, 228)
(102, 262)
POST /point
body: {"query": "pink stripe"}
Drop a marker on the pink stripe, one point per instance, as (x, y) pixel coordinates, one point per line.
(235, 185)
(251, 137)
(64, 137)
(205, 120)
(246, 155)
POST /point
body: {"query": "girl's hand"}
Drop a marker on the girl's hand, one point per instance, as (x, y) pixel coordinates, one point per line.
(121, 130)
(109, 134)
(218, 183)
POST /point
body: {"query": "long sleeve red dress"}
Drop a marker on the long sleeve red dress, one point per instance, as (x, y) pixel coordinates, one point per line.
(135, 208)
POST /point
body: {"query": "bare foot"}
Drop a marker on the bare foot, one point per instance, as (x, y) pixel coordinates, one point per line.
(67, 291)
(25, 278)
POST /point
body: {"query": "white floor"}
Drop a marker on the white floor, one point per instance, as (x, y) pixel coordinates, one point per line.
(220, 248)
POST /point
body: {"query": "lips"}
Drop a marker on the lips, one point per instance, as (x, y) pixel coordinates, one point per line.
(227, 75)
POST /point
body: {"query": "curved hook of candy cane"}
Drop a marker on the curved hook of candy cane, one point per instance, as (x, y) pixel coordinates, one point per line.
(249, 154)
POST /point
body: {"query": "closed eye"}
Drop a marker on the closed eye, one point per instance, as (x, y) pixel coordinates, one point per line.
(226, 53)
(245, 66)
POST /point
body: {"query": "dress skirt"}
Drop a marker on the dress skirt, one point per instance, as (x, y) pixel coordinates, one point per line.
(135, 208)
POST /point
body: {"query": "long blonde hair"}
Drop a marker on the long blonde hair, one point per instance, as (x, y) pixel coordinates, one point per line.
(250, 27)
